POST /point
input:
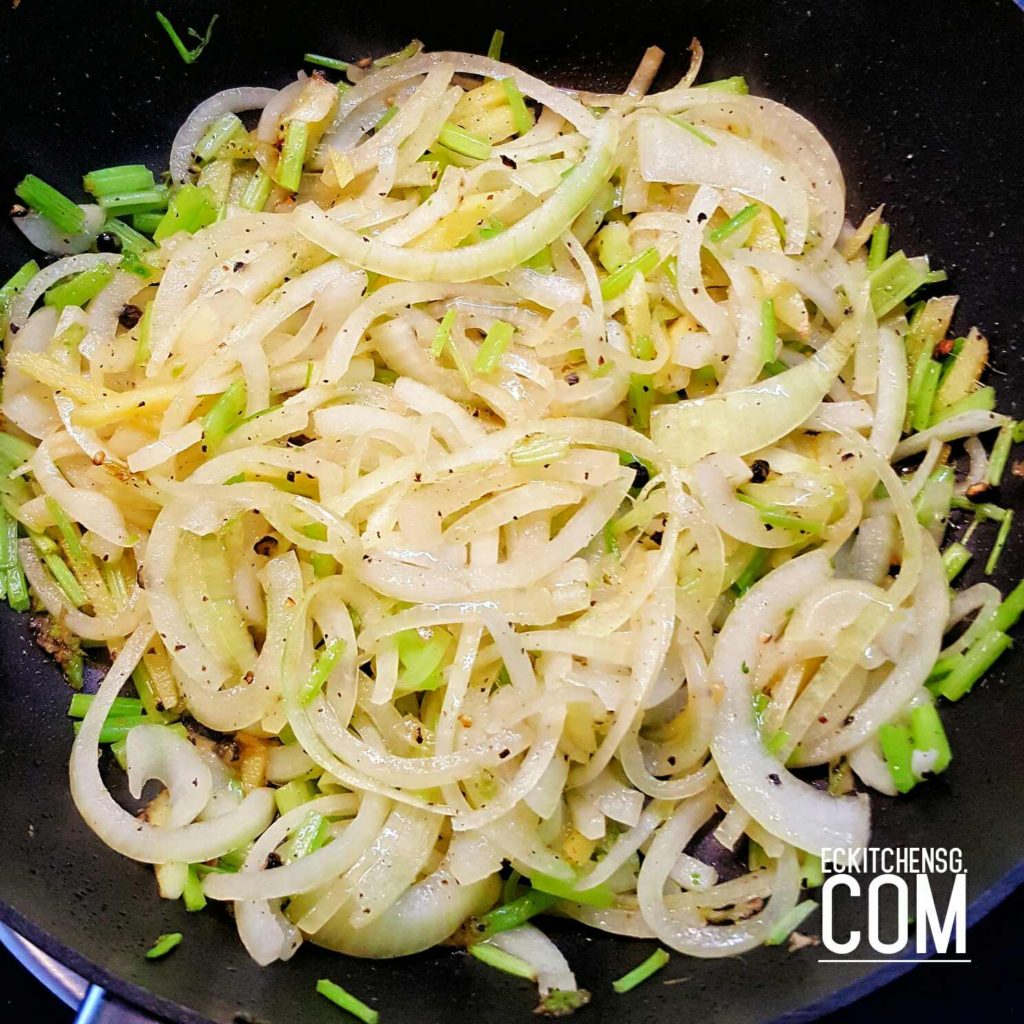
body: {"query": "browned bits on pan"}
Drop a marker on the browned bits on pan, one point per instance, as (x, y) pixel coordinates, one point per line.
(265, 546)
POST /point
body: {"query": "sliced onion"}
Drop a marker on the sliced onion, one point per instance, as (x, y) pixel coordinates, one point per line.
(45, 235)
(230, 101)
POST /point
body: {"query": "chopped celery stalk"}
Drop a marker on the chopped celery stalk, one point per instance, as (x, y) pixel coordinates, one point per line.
(112, 180)
(879, 250)
(954, 558)
(733, 224)
(15, 585)
(692, 129)
(562, 1002)
(187, 55)
(778, 516)
(193, 207)
(121, 708)
(752, 571)
(458, 140)
(1000, 453)
(15, 285)
(323, 565)
(500, 960)
(421, 655)
(192, 894)
(293, 155)
(151, 704)
(53, 205)
(491, 229)
(777, 742)
(308, 837)
(407, 51)
(640, 396)
(983, 398)
(385, 118)
(443, 334)
(540, 448)
(642, 972)
(619, 280)
(983, 510)
(75, 670)
(325, 62)
(221, 131)
(143, 349)
(293, 795)
(147, 223)
(1010, 610)
(790, 922)
(163, 945)
(511, 915)
(596, 896)
(323, 665)
(66, 580)
(78, 290)
(972, 664)
(927, 733)
(898, 751)
(1018, 430)
(737, 84)
(224, 414)
(521, 116)
(540, 261)
(67, 531)
(493, 347)
(918, 375)
(769, 331)
(611, 545)
(347, 1002)
(811, 873)
(897, 278)
(497, 41)
(997, 548)
(925, 399)
(257, 191)
(145, 200)
(116, 727)
(130, 239)
(15, 450)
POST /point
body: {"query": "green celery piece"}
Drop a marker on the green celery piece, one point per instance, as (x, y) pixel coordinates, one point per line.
(163, 945)
(734, 223)
(493, 347)
(501, 961)
(898, 751)
(225, 414)
(497, 41)
(325, 62)
(927, 733)
(511, 915)
(458, 140)
(954, 559)
(191, 208)
(597, 896)
(15, 285)
(790, 922)
(187, 55)
(294, 794)
(521, 116)
(123, 707)
(347, 1002)
(293, 155)
(879, 250)
(642, 972)
(619, 280)
(192, 894)
(53, 205)
(897, 279)
(323, 666)
(737, 84)
(972, 664)
(125, 178)
(78, 290)
(421, 658)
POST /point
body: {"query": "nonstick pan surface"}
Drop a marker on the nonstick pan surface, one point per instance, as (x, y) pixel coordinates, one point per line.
(921, 100)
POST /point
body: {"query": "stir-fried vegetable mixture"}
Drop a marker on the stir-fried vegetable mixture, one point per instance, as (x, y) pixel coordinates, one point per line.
(484, 491)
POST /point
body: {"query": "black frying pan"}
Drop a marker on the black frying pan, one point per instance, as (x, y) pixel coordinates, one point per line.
(922, 102)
